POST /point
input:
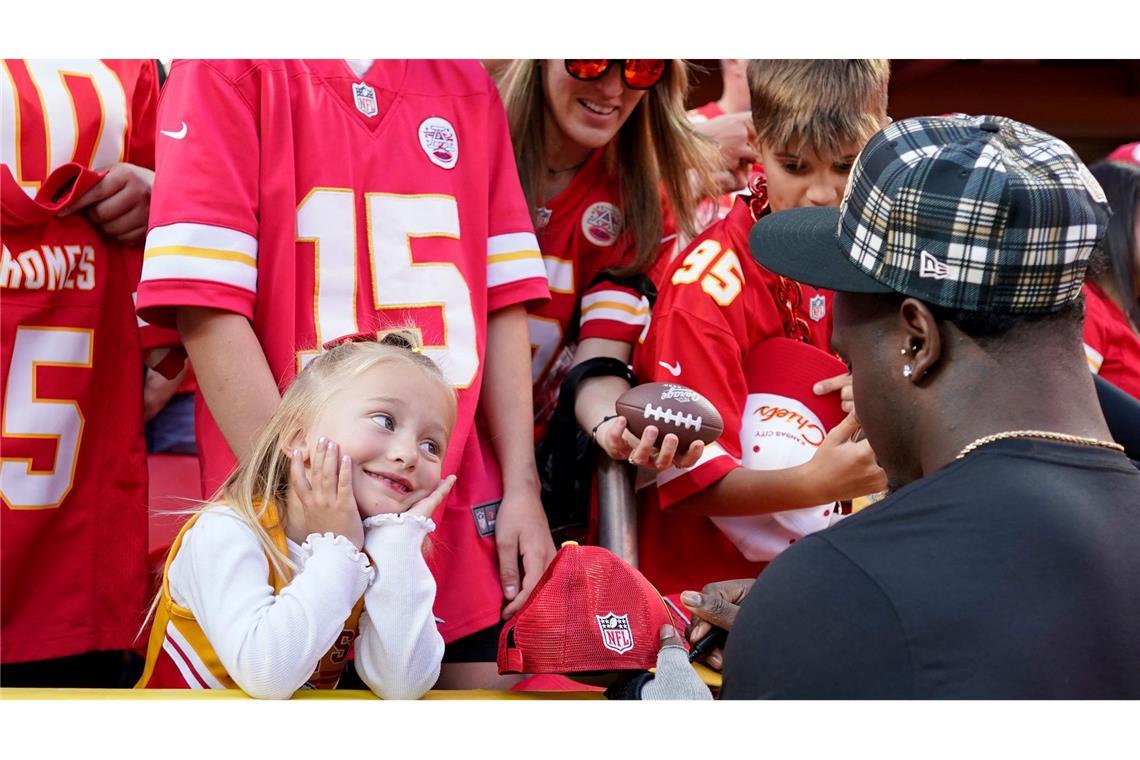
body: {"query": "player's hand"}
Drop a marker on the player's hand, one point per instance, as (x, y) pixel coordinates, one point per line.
(841, 383)
(844, 468)
(426, 506)
(120, 204)
(717, 605)
(735, 135)
(324, 490)
(522, 537)
(616, 440)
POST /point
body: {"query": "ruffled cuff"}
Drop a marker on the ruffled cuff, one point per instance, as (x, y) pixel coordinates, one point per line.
(335, 543)
(423, 524)
(396, 541)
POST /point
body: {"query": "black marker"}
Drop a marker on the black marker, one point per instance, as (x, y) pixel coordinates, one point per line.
(711, 640)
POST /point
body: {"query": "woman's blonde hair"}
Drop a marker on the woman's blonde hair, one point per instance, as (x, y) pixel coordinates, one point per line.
(655, 150)
(264, 478)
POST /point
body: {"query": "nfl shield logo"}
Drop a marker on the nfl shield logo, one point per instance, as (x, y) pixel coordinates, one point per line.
(365, 98)
(616, 635)
(817, 307)
(543, 218)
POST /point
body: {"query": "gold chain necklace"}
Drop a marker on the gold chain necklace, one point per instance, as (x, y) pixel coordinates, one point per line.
(1047, 435)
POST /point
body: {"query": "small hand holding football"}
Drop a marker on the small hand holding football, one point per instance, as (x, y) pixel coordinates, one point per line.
(673, 409)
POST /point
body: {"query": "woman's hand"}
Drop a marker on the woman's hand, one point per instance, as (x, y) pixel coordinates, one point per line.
(735, 135)
(615, 439)
(325, 492)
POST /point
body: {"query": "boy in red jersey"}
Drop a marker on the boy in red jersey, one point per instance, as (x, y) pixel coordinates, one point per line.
(716, 305)
(301, 201)
(77, 145)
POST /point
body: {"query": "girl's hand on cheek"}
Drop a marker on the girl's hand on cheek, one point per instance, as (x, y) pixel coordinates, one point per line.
(428, 504)
(325, 492)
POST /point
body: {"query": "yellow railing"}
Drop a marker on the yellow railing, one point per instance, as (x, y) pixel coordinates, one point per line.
(316, 694)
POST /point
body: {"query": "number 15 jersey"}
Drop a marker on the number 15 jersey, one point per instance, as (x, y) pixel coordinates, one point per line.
(318, 204)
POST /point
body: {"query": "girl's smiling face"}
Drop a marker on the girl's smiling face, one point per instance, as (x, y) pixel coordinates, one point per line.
(393, 420)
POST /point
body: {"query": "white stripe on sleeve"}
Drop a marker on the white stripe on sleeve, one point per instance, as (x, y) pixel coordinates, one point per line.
(206, 236)
(712, 451)
(513, 257)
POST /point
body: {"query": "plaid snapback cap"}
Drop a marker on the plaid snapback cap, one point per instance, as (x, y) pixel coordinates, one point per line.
(979, 213)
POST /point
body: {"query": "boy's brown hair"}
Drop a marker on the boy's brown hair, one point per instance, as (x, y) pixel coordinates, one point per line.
(820, 104)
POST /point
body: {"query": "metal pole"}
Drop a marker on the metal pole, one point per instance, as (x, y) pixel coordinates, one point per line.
(617, 508)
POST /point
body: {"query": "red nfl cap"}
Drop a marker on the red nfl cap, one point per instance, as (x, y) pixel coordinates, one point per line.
(1128, 153)
(591, 611)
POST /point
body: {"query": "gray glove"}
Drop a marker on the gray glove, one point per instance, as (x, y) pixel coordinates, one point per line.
(675, 677)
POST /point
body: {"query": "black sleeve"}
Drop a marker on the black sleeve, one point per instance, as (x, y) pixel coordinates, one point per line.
(815, 626)
(1122, 413)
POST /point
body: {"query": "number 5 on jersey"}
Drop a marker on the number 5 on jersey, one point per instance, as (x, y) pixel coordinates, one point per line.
(720, 274)
(27, 415)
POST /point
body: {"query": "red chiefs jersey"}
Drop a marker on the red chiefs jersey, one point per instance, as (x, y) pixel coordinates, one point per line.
(73, 477)
(714, 306)
(1111, 346)
(580, 236)
(318, 204)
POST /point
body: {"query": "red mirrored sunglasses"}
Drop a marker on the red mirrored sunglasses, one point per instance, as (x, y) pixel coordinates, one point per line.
(637, 73)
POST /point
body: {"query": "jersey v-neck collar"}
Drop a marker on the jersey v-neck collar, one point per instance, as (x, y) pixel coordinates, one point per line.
(386, 78)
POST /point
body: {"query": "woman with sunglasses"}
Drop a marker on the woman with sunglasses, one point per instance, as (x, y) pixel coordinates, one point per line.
(603, 149)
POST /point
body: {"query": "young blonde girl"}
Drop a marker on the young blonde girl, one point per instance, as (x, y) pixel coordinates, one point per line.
(317, 541)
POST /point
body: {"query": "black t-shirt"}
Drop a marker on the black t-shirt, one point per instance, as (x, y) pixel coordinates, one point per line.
(1012, 573)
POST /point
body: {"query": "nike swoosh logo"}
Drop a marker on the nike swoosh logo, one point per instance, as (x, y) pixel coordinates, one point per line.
(176, 135)
(674, 370)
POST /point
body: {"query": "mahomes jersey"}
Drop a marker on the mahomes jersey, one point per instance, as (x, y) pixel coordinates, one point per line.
(73, 478)
(580, 235)
(319, 204)
(715, 305)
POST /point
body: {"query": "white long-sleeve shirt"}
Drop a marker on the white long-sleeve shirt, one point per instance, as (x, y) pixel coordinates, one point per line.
(270, 643)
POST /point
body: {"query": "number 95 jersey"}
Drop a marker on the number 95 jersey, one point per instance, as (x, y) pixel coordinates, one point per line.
(318, 204)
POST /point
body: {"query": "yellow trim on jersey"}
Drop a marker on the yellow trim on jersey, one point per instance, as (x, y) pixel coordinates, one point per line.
(638, 311)
(499, 258)
(201, 253)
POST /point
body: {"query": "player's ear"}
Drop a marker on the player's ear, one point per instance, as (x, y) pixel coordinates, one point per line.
(922, 339)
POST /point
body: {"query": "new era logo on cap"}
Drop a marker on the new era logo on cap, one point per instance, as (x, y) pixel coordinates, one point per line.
(932, 268)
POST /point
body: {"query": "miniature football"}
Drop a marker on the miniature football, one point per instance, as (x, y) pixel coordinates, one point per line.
(672, 409)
